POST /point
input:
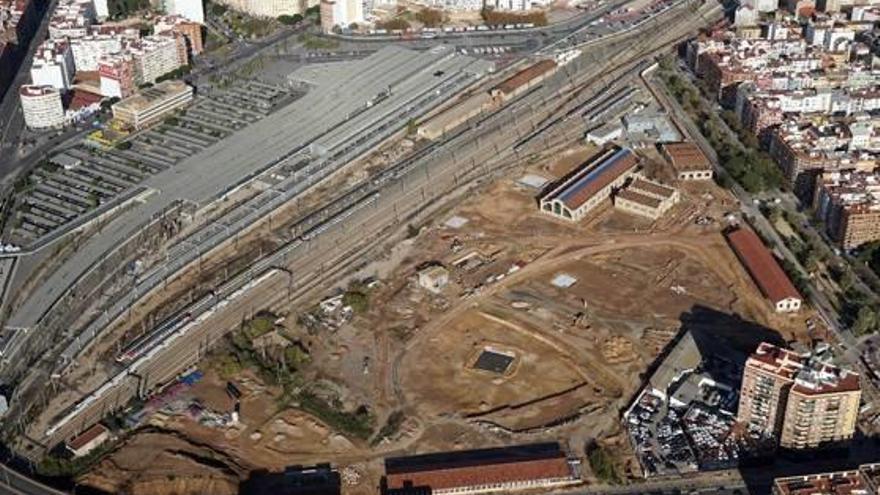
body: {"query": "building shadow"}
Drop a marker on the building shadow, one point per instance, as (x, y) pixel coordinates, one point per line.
(320, 479)
(731, 338)
(715, 335)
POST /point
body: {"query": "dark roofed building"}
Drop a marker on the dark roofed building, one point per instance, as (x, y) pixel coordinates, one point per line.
(764, 270)
(294, 480)
(584, 188)
(503, 469)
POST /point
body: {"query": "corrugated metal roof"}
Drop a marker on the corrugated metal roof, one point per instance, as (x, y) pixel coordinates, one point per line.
(595, 177)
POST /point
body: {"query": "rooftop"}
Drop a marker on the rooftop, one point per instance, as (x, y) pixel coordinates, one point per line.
(523, 77)
(478, 467)
(652, 188)
(87, 436)
(854, 190)
(836, 483)
(637, 197)
(593, 176)
(151, 96)
(761, 265)
(686, 156)
(810, 373)
(33, 90)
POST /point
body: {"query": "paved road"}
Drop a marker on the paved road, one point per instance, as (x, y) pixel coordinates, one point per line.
(14, 483)
(818, 298)
(11, 118)
(492, 152)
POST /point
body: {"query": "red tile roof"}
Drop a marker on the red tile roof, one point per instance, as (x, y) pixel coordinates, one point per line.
(761, 265)
(637, 197)
(468, 468)
(440, 479)
(652, 188)
(592, 176)
(523, 77)
(87, 436)
(686, 156)
(838, 483)
(82, 98)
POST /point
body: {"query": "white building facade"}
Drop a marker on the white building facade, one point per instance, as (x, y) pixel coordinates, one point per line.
(41, 106)
(89, 50)
(191, 10)
(53, 65)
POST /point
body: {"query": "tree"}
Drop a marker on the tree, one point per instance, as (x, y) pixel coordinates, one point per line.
(430, 17)
(866, 321)
(218, 9)
(394, 25)
(358, 300)
(602, 463)
(290, 20)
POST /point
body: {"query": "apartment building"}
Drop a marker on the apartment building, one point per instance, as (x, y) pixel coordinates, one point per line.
(53, 65)
(807, 147)
(72, 19)
(191, 31)
(848, 203)
(41, 106)
(341, 13)
(797, 399)
(862, 481)
(191, 10)
(117, 75)
(155, 56)
(266, 8)
(88, 50)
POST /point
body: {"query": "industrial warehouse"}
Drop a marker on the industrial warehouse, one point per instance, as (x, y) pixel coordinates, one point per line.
(504, 469)
(588, 185)
(688, 161)
(765, 270)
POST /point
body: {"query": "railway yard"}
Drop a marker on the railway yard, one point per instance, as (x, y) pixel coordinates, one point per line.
(500, 354)
(411, 288)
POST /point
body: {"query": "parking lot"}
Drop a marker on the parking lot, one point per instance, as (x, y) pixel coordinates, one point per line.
(81, 182)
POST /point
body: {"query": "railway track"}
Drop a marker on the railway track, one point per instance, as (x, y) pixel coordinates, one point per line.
(462, 160)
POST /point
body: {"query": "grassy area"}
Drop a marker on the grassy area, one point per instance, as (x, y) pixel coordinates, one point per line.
(120, 9)
(392, 426)
(61, 464)
(282, 368)
(357, 423)
(602, 464)
(244, 25)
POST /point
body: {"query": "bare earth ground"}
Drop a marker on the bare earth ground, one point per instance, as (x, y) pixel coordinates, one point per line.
(580, 351)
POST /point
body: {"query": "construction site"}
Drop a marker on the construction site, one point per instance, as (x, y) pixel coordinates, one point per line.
(488, 324)
(463, 315)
